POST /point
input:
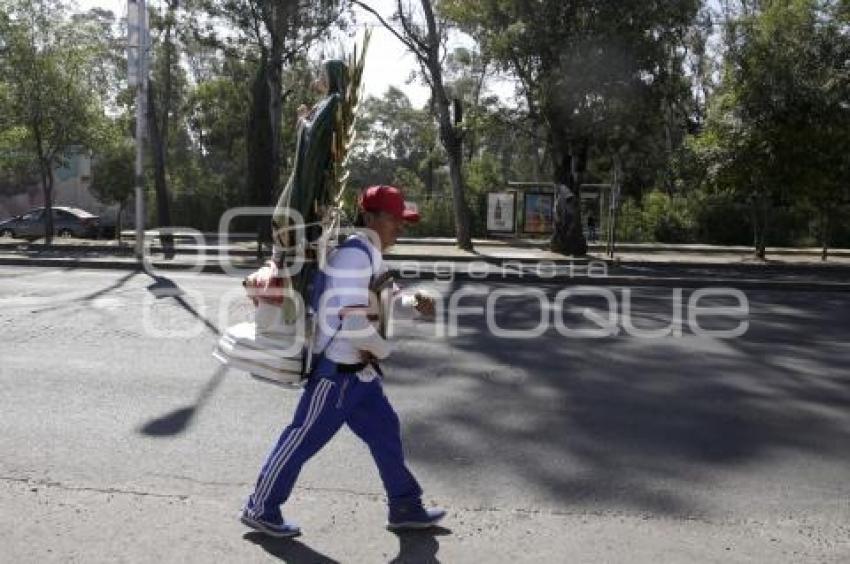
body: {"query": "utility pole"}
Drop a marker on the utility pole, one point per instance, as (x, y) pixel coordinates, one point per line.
(137, 76)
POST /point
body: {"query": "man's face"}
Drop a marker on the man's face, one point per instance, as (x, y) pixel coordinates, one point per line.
(388, 228)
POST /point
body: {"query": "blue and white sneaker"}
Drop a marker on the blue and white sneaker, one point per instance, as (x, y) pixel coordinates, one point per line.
(280, 530)
(416, 517)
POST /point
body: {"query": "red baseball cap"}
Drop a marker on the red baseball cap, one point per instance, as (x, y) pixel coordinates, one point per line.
(388, 199)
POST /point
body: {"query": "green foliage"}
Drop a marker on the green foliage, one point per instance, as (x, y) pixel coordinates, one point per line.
(593, 77)
(50, 102)
(721, 219)
(15, 160)
(658, 218)
(716, 142)
(630, 228)
(393, 136)
(113, 173)
(437, 219)
(668, 218)
(45, 76)
(779, 129)
(483, 176)
(714, 219)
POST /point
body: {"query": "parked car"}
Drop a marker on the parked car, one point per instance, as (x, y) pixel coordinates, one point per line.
(67, 222)
(107, 228)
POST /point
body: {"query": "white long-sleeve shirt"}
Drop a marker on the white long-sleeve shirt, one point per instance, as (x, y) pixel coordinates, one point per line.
(349, 273)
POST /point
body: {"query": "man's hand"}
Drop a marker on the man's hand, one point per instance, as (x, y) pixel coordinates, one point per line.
(263, 284)
(425, 305)
(367, 358)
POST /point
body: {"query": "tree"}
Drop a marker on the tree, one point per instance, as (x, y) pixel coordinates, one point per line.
(392, 135)
(281, 33)
(424, 37)
(44, 67)
(700, 62)
(217, 117)
(113, 176)
(575, 61)
(162, 107)
(780, 129)
(466, 73)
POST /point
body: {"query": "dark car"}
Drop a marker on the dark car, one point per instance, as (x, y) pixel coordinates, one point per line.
(67, 222)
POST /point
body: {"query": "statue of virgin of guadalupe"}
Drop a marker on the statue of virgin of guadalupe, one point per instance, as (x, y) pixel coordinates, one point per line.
(312, 187)
(275, 346)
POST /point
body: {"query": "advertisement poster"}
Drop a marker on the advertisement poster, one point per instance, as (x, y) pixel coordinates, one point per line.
(501, 212)
(538, 216)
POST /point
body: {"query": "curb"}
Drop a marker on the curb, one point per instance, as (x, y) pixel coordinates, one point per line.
(524, 244)
(811, 268)
(214, 252)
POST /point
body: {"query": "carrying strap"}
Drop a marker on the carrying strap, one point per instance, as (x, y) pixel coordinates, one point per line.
(320, 280)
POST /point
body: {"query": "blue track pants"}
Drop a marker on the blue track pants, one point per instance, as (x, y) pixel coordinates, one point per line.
(330, 400)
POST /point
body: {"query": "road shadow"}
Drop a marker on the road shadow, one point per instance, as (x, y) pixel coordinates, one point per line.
(164, 287)
(33, 272)
(111, 288)
(89, 298)
(177, 421)
(288, 550)
(626, 422)
(419, 547)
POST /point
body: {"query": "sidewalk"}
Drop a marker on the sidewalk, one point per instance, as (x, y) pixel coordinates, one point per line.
(636, 264)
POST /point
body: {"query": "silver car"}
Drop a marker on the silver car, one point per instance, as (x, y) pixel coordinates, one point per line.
(67, 222)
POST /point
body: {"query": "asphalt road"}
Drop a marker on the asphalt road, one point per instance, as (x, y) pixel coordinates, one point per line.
(122, 440)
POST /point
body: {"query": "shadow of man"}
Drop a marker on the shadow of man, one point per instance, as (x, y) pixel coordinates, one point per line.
(288, 550)
(419, 547)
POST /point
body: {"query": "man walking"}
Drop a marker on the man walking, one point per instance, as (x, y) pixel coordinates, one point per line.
(344, 386)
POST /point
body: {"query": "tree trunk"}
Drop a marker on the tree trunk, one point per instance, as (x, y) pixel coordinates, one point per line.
(755, 216)
(166, 79)
(614, 205)
(429, 172)
(449, 134)
(45, 168)
(429, 178)
(825, 227)
(260, 150)
(612, 235)
(759, 225)
(454, 151)
(275, 92)
(121, 205)
(47, 184)
(280, 19)
(159, 136)
(48, 203)
(163, 207)
(275, 87)
(569, 162)
(668, 148)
